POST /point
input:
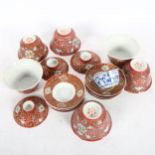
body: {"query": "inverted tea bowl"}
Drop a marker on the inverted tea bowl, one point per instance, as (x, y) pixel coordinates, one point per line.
(91, 121)
(65, 41)
(138, 76)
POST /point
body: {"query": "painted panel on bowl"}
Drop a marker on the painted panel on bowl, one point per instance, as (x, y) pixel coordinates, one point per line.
(107, 79)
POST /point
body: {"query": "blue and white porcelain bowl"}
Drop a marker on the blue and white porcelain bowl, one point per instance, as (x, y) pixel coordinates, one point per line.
(105, 81)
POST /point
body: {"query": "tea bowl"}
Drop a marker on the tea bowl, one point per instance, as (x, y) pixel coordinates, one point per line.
(91, 121)
(32, 47)
(121, 49)
(105, 81)
(23, 75)
(84, 60)
(138, 76)
(52, 66)
(65, 42)
(30, 111)
(64, 92)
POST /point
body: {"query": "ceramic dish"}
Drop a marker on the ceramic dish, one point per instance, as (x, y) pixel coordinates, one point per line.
(105, 81)
(84, 60)
(64, 92)
(30, 111)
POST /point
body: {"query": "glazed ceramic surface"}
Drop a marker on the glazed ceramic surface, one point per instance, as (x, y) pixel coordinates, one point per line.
(30, 111)
(54, 65)
(65, 42)
(24, 75)
(84, 60)
(121, 49)
(64, 92)
(138, 77)
(32, 47)
(105, 81)
(91, 121)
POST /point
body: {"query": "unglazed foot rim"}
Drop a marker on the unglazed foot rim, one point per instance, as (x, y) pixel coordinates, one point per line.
(28, 106)
(52, 62)
(85, 56)
(138, 65)
(64, 30)
(29, 39)
(92, 110)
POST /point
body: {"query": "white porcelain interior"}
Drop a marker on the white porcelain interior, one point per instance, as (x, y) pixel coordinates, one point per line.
(138, 65)
(29, 39)
(52, 62)
(121, 47)
(92, 110)
(28, 106)
(64, 92)
(64, 30)
(23, 75)
(85, 56)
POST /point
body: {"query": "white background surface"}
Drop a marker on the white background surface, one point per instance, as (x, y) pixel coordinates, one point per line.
(133, 130)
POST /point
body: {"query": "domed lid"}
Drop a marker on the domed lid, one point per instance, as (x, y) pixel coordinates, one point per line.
(30, 111)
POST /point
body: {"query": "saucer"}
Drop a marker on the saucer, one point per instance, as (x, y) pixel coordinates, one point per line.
(100, 96)
(84, 60)
(30, 111)
(64, 92)
(91, 121)
(31, 47)
(105, 81)
(65, 42)
(54, 65)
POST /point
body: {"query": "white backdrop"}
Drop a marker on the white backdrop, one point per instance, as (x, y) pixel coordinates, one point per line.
(133, 130)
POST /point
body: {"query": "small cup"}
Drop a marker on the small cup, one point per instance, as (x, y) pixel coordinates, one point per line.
(32, 47)
(121, 49)
(65, 42)
(91, 121)
(54, 65)
(24, 75)
(138, 77)
(84, 60)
